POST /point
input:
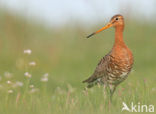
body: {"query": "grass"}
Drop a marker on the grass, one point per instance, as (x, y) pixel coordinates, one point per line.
(69, 58)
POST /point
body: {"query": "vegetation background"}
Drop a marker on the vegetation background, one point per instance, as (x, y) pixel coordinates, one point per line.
(63, 58)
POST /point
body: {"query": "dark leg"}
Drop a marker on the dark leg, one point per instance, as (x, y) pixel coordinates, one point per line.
(112, 89)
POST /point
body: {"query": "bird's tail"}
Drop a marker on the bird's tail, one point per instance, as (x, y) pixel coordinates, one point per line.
(85, 81)
(91, 82)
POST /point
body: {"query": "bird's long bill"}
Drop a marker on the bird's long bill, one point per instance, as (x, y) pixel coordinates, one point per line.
(105, 27)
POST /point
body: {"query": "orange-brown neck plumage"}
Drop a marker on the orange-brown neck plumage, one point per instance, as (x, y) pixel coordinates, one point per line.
(119, 35)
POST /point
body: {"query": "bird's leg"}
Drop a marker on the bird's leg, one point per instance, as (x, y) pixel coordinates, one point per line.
(112, 89)
(104, 91)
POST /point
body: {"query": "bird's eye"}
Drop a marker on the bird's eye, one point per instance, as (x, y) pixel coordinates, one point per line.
(116, 18)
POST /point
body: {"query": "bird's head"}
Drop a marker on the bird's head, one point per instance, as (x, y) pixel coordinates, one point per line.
(116, 21)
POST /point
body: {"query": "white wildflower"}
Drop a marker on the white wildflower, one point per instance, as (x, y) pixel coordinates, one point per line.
(27, 74)
(33, 90)
(7, 74)
(18, 84)
(28, 51)
(10, 91)
(44, 78)
(33, 63)
(8, 82)
(31, 86)
(46, 75)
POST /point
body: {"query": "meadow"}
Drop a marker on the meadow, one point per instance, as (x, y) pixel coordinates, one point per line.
(42, 69)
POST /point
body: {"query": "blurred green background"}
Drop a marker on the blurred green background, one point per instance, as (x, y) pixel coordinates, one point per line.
(68, 57)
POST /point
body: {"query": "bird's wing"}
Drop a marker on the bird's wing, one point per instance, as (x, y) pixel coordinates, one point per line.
(100, 69)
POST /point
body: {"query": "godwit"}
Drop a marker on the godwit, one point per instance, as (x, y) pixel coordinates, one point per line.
(116, 65)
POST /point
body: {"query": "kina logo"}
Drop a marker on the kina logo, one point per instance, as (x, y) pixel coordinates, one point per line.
(137, 107)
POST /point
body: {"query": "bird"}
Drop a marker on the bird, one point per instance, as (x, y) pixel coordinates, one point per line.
(115, 66)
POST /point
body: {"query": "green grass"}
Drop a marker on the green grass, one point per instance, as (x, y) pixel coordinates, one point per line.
(69, 58)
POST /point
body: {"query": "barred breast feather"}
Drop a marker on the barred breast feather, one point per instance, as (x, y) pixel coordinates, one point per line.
(113, 68)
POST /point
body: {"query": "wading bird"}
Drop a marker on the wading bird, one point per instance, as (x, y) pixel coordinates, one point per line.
(117, 64)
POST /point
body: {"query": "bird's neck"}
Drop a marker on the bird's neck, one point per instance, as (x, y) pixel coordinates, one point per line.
(119, 36)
